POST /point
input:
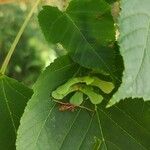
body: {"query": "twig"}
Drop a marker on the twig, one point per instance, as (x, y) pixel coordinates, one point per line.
(13, 46)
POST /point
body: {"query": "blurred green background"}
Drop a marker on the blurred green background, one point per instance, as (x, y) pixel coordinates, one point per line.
(32, 53)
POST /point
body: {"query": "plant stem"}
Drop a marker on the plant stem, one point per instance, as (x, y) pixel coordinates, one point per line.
(13, 46)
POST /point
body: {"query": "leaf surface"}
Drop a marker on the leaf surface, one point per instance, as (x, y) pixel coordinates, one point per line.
(13, 99)
(134, 43)
(85, 30)
(123, 126)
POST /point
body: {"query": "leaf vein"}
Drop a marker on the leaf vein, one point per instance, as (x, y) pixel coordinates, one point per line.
(8, 107)
(124, 130)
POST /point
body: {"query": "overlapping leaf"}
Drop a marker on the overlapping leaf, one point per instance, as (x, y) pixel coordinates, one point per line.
(111, 1)
(43, 126)
(134, 42)
(13, 98)
(85, 30)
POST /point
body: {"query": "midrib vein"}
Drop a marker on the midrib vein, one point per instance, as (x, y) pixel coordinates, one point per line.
(8, 107)
(100, 127)
(67, 15)
(144, 52)
(88, 128)
(126, 132)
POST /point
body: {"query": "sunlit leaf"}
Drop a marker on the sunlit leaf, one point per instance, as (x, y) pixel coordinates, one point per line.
(135, 48)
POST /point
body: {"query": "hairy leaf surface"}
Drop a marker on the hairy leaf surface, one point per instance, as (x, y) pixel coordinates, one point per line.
(13, 99)
(43, 126)
(85, 30)
(134, 42)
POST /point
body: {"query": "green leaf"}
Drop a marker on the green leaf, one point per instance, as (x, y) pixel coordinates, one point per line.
(13, 99)
(43, 126)
(135, 48)
(55, 75)
(85, 30)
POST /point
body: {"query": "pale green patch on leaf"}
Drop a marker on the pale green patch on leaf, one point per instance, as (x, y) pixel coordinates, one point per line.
(13, 99)
(97, 144)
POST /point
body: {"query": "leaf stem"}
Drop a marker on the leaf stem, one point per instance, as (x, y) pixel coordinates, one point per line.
(14, 44)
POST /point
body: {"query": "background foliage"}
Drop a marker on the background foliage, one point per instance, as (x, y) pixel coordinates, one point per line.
(32, 53)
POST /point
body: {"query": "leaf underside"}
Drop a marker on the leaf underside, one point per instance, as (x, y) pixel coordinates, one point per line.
(43, 126)
(13, 99)
(134, 24)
